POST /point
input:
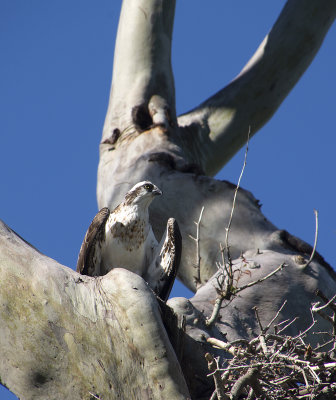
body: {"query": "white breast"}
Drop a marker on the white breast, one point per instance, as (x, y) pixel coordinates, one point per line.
(129, 242)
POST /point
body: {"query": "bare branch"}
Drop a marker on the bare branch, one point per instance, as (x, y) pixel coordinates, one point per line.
(257, 92)
(239, 289)
(226, 285)
(319, 293)
(250, 378)
(213, 368)
(287, 325)
(143, 83)
(275, 317)
(315, 241)
(315, 307)
(215, 311)
(227, 230)
(261, 336)
(198, 250)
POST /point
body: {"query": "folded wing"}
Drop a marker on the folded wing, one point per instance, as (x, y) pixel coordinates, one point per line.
(89, 257)
(162, 271)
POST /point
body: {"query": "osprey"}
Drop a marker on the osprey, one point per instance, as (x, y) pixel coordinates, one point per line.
(123, 238)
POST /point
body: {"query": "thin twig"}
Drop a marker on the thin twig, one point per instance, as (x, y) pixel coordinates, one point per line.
(319, 293)
(234, 198)
(315, 241)
(93, 395)
(213, 367)
(227, 267)
(315, 307)
(275, 317)
(255, 308)
(289, 324)
(300, 335)
(262, 333)
(254, 365)
(223, 295)
(198, 251)
(239, 289)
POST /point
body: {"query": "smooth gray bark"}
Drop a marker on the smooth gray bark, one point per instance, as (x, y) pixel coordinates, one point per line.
(63, 335)
(135, 146)
(221, 122)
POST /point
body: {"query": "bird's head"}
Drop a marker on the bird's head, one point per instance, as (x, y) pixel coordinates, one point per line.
(142, 193)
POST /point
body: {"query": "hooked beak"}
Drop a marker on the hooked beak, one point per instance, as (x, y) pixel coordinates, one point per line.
(156, 192)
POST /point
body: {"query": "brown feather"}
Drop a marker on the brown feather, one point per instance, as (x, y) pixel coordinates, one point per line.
(96, 232)
(173, 246)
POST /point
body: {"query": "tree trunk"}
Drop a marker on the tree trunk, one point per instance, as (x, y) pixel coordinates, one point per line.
(69, 336)
(109, 337)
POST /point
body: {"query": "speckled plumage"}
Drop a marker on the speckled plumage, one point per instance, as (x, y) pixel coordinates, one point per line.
(123, 238)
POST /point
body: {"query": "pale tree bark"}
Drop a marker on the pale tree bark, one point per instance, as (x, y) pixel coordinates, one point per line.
(64, 335)
(70, 336)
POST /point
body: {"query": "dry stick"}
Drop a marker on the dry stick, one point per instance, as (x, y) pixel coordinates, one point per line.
(275, 317)
(220, 298)
(215, 311)
(198, 252)
(289, 324)
(234, 199)
(262, 334)
(315, 241)
(254, 365)
(98, 398)
(319, 293)
(315, 307)
(248, 379)
(239, 289)
(228, 347)
(332, 306)
(255, 308)
(300, 335)
(213, 367)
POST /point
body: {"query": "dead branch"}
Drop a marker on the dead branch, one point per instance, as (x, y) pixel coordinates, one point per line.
(316, 309)
(239, 289)
(198, 251)
(276, 366)
(226, 283)
(250, 378)
(315, 241)
(227, 229)
(213, 368)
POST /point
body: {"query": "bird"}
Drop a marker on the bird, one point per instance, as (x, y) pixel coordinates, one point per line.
(123, 238)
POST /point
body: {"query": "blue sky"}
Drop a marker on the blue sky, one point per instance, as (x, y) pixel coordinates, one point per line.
(55, 75)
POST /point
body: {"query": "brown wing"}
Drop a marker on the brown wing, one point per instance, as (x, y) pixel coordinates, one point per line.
(163, 269)
(88, 262)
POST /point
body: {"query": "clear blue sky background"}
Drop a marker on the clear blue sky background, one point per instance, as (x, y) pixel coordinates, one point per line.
(55, 74)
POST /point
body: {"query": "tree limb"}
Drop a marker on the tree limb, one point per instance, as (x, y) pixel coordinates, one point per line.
(64, 335)
(256, 93)
(142, 91)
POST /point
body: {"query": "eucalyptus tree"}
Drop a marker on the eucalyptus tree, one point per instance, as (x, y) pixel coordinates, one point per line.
(72, 336)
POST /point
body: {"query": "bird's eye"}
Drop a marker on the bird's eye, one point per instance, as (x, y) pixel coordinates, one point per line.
(148, 187)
